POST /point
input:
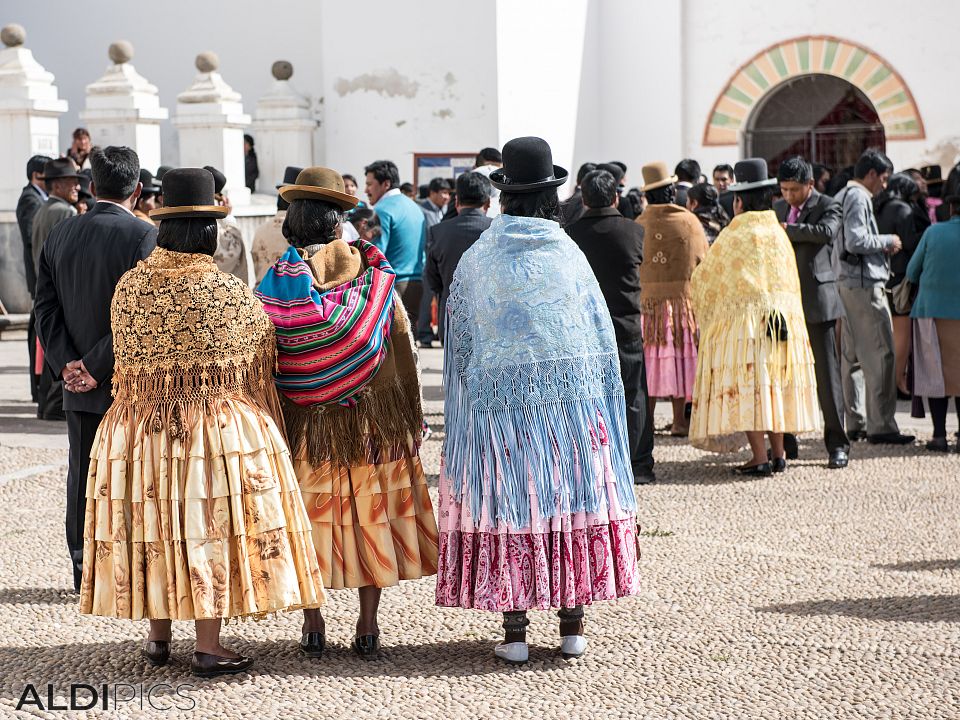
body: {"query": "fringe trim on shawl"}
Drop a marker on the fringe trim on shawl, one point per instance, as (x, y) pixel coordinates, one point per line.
(388, 416)
(495, 452)
(655, 313)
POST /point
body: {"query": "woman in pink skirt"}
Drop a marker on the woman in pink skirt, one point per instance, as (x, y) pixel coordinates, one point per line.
(674, 243)
(537, 509)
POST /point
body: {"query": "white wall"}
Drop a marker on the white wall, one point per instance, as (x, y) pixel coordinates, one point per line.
(920, 43)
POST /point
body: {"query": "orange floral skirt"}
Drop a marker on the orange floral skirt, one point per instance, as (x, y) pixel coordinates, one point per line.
(197, 519)
(372, 524)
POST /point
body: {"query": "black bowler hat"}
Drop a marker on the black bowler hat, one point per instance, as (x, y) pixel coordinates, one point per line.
(932, 174)
(149, 186)
(60, 168)
(289, 176)
(219, 179)
(85, 181)
(614, 170)
(161, 171)
(751, 174)
(527, 167)
(188, 192)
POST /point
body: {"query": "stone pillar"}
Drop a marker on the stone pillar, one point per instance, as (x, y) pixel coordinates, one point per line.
(29, 113)
(124, 109)
(210, 122)
(283, 129)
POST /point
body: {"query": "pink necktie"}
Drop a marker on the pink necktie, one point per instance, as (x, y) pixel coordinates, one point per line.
(793, 216)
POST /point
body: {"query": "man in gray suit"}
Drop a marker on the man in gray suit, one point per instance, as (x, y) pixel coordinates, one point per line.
(869, 374)
(811, 220)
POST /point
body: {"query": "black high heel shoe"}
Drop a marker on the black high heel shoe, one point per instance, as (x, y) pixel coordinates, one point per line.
(156, 652)
(366, 646)
(312, 644)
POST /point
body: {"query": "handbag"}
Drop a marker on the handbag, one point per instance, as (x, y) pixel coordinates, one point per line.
(903, 296)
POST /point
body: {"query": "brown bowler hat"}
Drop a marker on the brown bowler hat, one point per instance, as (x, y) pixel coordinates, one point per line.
(656, 175)
(188, 192)
(319, 183)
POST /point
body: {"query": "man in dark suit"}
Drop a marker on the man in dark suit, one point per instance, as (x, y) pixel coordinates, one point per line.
(83, 259)
(613, 245)
(811, 220)
(449, 240)
(33, 196)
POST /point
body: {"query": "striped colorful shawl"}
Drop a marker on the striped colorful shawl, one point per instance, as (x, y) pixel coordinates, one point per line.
(330, 343)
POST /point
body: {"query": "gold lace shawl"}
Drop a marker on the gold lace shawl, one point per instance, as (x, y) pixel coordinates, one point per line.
(187, 334)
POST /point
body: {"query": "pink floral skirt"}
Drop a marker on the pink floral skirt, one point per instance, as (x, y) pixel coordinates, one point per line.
(671, 369)
(554, 562)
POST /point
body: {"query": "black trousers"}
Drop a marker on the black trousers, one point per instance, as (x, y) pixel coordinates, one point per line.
(411, 293)
(823, 342)
(639, 423)
(81, 429)
(32, 351)
(50, 395)
(424, 329)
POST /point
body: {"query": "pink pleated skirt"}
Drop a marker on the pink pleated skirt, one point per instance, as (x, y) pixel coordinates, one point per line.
(671, 368)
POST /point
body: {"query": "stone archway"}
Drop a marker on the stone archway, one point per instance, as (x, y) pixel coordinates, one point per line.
(814, 55)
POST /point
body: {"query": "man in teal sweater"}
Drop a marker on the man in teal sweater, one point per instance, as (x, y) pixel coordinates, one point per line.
(403, 231)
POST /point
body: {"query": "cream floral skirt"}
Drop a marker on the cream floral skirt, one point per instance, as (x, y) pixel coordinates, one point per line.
(195, 514)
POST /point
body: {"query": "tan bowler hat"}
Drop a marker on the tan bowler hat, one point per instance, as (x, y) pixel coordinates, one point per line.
(319, 183)
(656, 175)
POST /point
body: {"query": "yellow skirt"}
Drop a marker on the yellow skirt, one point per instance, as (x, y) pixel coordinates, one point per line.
(747, 382)
(372, 524)
(198, 518)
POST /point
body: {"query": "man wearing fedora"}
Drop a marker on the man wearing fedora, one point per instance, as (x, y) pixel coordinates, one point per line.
(34, 195)
(63, 187)
(73, 312)
(268, 241)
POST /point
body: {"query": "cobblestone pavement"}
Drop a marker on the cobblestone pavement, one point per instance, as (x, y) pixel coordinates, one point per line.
(813, 594)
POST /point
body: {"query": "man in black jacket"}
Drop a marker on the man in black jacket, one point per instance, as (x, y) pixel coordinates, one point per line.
(613, 246)
(33, 196)
(811, 220)
(449, 240)
(82, 261)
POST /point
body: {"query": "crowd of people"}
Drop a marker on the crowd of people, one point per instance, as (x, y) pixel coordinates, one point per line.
(245, 438)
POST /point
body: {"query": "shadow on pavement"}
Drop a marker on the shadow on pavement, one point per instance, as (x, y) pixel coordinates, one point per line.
(38, 596)
(902, 608)
(920, 565)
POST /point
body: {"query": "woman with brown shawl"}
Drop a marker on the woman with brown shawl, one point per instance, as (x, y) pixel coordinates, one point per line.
(193, 509)
(673, 245)
(350, 390)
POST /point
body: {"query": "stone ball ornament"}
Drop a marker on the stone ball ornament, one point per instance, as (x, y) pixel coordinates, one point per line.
(207, 62)
(13, 35)
(282, 70)
(121, 52)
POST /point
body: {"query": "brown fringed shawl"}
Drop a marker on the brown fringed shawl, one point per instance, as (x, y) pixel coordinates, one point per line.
(388, 412)
(673, 245)
(186, 336)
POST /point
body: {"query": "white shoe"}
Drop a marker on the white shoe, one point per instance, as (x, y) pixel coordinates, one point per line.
(573, 646)
(515, 653)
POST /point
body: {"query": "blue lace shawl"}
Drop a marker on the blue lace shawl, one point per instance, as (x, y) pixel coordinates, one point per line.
(530, 365)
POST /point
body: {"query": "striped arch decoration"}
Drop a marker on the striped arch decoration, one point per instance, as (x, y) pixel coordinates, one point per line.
(815, 55)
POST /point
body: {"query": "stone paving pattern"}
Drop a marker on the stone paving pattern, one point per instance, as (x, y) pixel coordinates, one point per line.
(814, 594)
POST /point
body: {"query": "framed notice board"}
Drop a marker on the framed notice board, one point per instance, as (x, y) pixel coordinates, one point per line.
(427, 166)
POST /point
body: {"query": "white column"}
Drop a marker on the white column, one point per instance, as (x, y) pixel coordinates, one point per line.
(29, 113)
(124, 109)
(210, 122)
(283, 129)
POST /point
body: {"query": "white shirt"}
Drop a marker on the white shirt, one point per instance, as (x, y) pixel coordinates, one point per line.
(389, 193)
(111, 202)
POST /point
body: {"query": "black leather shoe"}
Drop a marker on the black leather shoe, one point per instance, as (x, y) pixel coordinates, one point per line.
(761, 470)
(644, 477)
(778, 465)
(312, 644)
(890, 439)
(366, 646)
(156, 652)
(207, 665)
(791, 447)
(938, 445)
(856, 435)
(838, 459)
